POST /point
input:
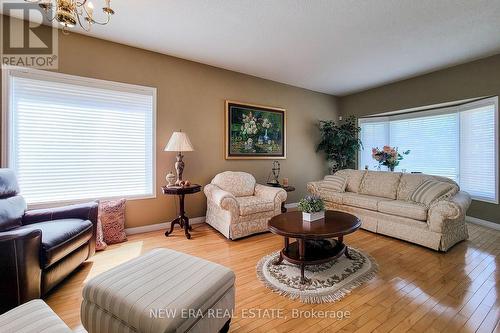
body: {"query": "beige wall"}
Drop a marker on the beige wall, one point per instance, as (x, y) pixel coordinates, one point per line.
(474, 79)
(191, 96)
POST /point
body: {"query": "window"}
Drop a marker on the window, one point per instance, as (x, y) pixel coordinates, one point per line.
(71, 138)
(458, 142)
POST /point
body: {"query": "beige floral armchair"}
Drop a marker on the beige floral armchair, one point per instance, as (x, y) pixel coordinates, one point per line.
(238, 207)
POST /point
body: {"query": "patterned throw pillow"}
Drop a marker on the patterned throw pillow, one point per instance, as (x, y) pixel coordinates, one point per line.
(334, 183)
(112, 217)
(429, 191)
(100, 244)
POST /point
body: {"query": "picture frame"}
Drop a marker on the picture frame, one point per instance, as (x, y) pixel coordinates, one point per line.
(254, 131)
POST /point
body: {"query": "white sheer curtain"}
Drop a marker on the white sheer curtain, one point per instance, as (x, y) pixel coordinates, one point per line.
(71, 141)
(459, 142)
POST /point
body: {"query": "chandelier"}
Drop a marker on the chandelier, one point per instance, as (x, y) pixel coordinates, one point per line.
(71, 12)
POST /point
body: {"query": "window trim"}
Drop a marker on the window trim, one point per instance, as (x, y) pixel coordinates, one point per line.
(446, 110)
(6, 142)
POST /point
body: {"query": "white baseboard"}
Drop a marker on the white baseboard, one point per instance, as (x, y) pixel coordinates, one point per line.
(291, 205)
(160, 226)
(483, 223)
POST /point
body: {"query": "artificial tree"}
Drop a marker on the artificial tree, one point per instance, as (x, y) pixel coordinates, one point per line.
(340, 142)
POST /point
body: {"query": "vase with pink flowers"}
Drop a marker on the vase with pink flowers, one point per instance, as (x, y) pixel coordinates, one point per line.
(388, 156)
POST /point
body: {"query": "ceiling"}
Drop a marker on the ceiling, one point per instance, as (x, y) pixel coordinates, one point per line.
(332, 46)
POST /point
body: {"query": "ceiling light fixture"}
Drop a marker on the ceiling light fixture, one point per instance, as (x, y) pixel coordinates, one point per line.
(70, 12)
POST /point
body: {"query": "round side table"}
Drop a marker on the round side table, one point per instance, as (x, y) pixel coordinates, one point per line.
(182, 220)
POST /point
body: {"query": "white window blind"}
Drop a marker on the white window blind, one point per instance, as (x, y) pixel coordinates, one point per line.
(459, 142)
(72, 140)
(432, 141)
(478, 162)
(373, 134)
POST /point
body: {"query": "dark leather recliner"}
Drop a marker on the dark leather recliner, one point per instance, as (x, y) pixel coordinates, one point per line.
(39, 248)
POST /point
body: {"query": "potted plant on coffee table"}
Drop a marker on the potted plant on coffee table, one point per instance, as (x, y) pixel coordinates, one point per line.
(312, 207)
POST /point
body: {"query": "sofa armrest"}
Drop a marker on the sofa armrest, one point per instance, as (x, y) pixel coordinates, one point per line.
(275, 194)
(85, 211)
(453, 208)
(314, 187)
(221, 198)
(20, 261)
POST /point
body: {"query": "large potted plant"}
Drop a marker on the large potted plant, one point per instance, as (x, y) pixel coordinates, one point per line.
(340, 142)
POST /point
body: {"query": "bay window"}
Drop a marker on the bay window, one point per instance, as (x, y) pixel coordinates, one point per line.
(459, 142)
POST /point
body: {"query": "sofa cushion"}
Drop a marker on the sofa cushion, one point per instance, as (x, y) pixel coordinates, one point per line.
(402, 208)
(362, 200)
(11, 212)
(111, 215)
(409, 183)
(354, 178)
(331, 196)
(431, 190)
(380, 183)
(335, 183)
(252, 204)
(240, 184)
(60, 238)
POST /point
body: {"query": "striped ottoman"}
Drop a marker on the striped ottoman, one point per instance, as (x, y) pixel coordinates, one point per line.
(161, 291)
(32, 317)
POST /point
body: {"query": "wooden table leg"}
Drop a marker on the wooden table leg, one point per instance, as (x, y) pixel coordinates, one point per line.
(346, 251)
(187, 227)
(184, 217)
(283, 208)
(172, 224)
(285, 248)
(182, 220)
(302, 254)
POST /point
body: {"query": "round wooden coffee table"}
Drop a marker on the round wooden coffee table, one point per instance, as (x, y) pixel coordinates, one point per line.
(314, 244)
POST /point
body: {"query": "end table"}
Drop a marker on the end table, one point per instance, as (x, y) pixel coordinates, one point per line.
(182, 220)
(288, 188)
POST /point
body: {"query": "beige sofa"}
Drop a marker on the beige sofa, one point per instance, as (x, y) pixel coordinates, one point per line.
(382, 201)
(237, 206)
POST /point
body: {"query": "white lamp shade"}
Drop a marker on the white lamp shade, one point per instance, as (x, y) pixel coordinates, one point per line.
(179, 141)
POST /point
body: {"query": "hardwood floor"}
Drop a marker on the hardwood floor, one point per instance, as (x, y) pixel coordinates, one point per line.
(416, 289)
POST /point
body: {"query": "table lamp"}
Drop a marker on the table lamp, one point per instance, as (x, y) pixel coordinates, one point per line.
(179, 142)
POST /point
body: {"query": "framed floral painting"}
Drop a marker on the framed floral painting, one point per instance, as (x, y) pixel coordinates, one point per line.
(254, 131)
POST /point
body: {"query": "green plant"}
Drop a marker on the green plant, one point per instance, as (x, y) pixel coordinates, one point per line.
(340, 142)
(311, 204)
